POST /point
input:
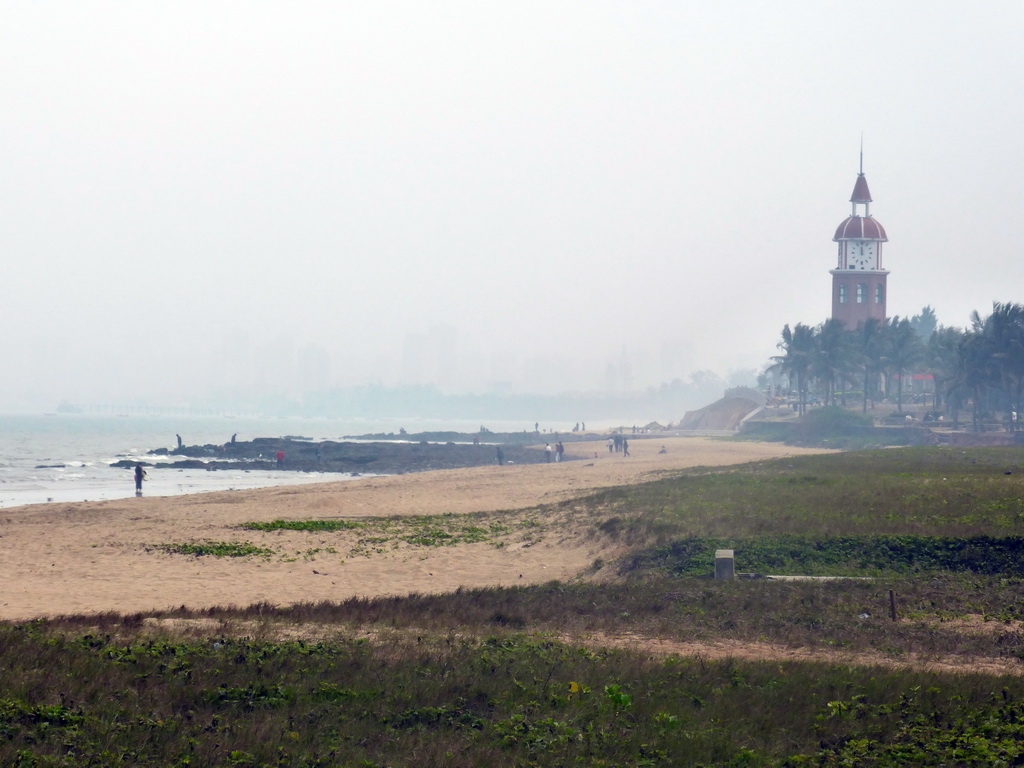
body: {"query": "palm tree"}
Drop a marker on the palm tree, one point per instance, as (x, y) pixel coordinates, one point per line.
(870, 350)
(833, 360)
(978, 371)
(904, 350)
(925, 324)
(798, 346)
(1004, 330)
(946, 363)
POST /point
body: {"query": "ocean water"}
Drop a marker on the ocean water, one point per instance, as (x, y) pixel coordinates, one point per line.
(66, 457)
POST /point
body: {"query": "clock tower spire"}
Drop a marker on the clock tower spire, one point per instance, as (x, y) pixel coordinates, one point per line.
(859, 281)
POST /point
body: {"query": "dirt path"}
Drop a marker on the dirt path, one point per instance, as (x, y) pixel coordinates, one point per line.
(654, 647)
(751, 651)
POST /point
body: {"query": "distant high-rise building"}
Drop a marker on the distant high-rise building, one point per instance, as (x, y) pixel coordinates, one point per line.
(859, 281)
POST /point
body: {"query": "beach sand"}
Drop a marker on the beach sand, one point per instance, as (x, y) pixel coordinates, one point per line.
(99, 556)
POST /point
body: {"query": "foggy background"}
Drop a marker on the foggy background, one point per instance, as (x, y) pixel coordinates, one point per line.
(220, 200)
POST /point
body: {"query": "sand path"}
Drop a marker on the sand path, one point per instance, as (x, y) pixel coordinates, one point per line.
(97, 556)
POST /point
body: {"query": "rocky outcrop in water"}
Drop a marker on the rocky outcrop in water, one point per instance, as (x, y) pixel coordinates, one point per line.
(384, 458)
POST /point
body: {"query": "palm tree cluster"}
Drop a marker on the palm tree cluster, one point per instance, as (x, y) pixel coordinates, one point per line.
(981, 365)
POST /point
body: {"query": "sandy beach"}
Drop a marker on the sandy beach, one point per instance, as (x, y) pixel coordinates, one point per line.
(105, 556)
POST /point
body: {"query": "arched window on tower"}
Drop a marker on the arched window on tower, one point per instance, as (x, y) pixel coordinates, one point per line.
(862, 291)
(878, 294)
(842, 294)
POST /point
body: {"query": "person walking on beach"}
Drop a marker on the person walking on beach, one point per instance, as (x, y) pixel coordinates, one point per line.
(140, 475)
(625, 447)
(559, 450)
(547, 452)
(499, 456)
(280, 459)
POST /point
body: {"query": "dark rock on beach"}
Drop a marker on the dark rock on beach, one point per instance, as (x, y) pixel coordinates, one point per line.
(505, 439)
(383, 457)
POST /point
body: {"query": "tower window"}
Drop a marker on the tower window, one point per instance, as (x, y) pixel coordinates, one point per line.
(878, 294)
(842, 294)
(862, 291)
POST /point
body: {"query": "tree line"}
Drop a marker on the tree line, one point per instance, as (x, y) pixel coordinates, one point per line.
(980, 366)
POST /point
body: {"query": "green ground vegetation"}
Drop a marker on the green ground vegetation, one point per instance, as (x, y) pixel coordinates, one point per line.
(215, 549)
(373, 536)
(951, 492)
(376, 535)
(498, 700)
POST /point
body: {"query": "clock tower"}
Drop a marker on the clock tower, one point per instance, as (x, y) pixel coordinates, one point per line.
(858, 281)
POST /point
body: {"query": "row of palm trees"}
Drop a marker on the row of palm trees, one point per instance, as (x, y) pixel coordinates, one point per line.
(981, 365)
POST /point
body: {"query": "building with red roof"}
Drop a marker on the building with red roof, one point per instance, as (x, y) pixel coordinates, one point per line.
(859, 279)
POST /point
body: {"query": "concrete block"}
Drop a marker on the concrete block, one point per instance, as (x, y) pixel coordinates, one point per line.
(725, 565)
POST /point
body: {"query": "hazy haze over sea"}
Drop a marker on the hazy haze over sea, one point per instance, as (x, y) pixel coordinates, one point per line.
(221, 198)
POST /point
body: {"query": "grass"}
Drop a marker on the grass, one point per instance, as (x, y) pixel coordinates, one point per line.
(313, 526)
(511, 700)
(534, 676)
(898, 491)
(215, 549)
(386, 534)
(848, 615)
(373, 536)
(842, 555)
(438, 530)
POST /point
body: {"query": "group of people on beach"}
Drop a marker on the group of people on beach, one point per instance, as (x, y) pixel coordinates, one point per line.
(617, 443)
(557, 450)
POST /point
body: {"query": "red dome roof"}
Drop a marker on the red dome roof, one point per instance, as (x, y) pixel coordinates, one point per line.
(860, 228)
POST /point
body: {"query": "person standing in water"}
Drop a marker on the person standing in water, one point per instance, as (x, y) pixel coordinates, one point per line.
(140, 475)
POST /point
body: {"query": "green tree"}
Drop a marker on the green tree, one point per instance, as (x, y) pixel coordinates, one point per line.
(903, 351)
(1009, 319)
(1003, 334)
(945, 361)
(798, 346)
(834, 356)
(979, 374)
(925, 324)
(870, 346)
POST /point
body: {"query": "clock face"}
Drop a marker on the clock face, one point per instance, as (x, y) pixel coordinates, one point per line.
(860, 255)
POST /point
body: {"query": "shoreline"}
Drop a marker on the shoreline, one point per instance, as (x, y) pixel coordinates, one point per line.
(246, 465)
(82, 558)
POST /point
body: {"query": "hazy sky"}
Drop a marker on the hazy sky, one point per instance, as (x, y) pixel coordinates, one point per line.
(197, 193)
